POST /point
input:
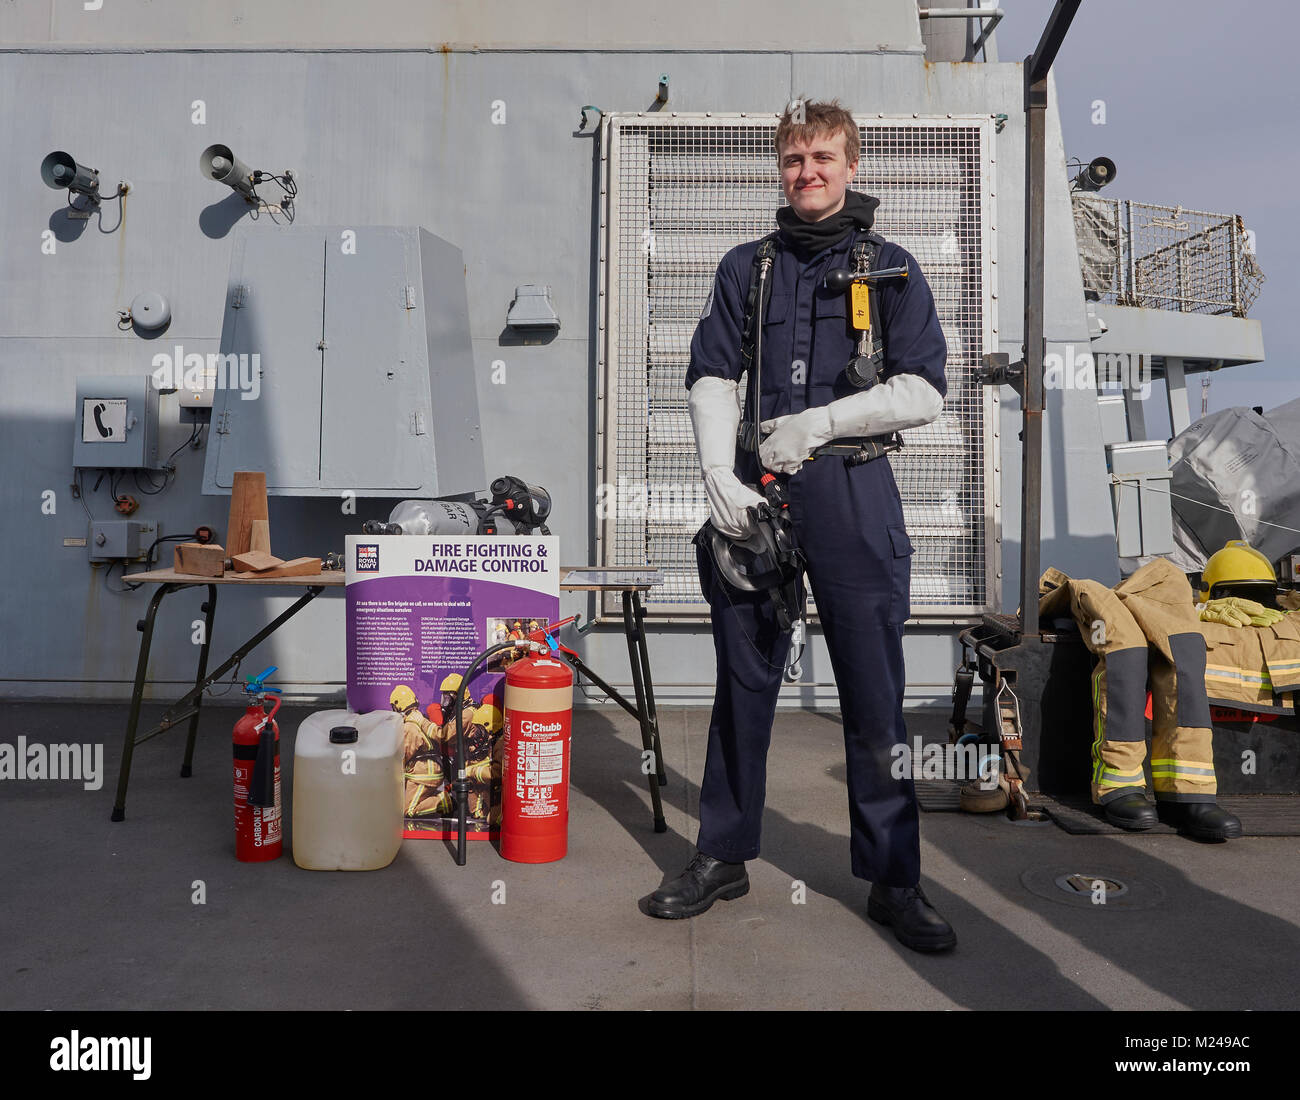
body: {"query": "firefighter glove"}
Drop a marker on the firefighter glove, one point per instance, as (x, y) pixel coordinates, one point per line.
(794, 438)
(1258, 613)
(903, 401)
(1223, 612)
(715, 418)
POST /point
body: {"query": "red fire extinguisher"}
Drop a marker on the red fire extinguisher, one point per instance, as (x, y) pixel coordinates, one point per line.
(535, 760)
(257, 775)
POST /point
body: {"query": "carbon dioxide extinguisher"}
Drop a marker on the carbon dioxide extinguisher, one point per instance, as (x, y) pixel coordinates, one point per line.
(258, 835)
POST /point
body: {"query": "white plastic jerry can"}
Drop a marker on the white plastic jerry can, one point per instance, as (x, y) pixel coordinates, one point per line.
(347, 791)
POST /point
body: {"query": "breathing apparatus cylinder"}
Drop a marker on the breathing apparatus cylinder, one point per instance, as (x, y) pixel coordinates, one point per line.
(430, 517)
(515, 508)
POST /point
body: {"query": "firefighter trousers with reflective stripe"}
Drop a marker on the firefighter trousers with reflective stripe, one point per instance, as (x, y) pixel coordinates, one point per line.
(1118, 683)
(1145, 629)
(1159, 598)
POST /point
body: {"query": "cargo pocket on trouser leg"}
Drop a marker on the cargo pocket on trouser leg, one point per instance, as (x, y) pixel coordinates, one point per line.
(900, 599)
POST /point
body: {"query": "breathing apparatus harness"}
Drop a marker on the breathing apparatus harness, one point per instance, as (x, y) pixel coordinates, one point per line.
(770, 560)
(863, 370)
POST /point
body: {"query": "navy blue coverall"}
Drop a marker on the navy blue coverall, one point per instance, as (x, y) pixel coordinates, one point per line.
(849, 521)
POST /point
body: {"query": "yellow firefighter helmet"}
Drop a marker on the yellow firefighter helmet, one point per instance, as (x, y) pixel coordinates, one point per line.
(1238, 564)
(402, 698)
(450, 682)
(488, 717)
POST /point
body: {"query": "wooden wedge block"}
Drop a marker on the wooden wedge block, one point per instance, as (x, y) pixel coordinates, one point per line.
(254, 562)
(198, 559)
(247, 503)
(260, 536)
(299, 567)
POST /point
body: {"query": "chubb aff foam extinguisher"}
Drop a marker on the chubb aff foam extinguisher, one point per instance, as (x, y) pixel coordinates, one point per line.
(258, 834)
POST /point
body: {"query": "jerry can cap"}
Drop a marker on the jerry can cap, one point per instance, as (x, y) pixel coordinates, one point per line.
(343, 735)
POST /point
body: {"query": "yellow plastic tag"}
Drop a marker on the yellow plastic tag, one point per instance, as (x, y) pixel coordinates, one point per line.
(860, 307)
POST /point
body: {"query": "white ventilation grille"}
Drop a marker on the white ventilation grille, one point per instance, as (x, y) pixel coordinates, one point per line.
(683, 191)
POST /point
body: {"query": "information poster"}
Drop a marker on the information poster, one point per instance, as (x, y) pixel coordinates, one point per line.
(420, 608)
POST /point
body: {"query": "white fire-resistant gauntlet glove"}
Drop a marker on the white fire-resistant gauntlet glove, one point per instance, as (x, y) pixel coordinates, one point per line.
(715, 416)
(903, 401)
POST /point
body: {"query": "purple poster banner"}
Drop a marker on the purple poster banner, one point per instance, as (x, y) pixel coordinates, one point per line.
(420, 608)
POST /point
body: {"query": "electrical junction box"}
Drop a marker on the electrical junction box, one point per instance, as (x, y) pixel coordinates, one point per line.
(115, 423)
(194, 406)
(200, 398)
(346, 366)
(1140, 497)
(120, 539)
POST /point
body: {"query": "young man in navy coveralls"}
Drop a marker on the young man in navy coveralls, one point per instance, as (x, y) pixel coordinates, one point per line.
(849, 523)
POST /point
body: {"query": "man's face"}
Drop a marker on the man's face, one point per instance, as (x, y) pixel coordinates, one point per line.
(815, 174)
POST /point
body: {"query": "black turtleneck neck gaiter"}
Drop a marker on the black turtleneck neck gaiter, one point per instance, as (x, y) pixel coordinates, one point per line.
(806, 239)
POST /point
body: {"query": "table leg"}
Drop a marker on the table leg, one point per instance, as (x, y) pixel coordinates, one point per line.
(209, 606)
(651, 709)
(145, 626)
(649, 734)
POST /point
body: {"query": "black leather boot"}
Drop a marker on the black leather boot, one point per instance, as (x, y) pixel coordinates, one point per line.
(704, 881)
(1203, 820)
(1131, 811)
(915, 922)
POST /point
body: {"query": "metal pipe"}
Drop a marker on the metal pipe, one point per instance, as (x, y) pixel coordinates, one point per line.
(1233, 227)
(1037, 68)
(994, 16)
(961, 13)
(1131, 266)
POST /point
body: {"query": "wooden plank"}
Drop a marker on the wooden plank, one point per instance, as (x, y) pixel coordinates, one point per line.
(254, 562)
(299, 567)
(247, 503)
(260, 536)
(197, 559)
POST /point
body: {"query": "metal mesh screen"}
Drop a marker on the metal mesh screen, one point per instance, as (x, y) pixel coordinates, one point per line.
(682, 192)
(1165, 257)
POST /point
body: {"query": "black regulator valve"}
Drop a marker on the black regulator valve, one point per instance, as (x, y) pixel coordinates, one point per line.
(862, 371)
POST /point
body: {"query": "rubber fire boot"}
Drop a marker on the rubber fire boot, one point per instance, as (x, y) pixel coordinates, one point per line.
(1203, 820)
(704, 881)
(1131, 811)
(915, 922)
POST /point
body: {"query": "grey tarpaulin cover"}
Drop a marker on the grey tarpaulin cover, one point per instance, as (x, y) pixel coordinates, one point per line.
(1242, 473)
(1096, 232)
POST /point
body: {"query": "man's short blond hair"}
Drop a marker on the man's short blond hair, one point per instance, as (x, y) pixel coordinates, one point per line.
(805, 119)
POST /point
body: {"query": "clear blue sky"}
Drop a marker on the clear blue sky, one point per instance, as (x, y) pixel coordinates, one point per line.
(1201, 107)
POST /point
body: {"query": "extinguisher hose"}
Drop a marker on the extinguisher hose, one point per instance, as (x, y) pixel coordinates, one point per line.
(261, 786)
(460, 785)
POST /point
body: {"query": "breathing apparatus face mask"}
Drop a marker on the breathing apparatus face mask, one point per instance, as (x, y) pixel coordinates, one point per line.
(753, 564)
(767, 561)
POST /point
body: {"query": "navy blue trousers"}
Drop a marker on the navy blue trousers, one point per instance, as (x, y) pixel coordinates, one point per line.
(850, 527)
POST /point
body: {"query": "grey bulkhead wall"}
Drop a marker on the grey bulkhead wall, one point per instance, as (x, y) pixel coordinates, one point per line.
(405, 138)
